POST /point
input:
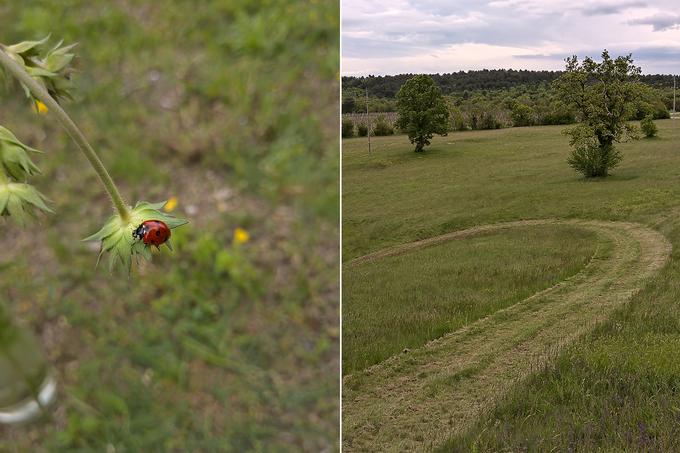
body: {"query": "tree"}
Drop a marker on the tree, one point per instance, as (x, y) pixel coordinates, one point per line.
(352, 100)
(422, 110)
(648, 127)
(604, 95)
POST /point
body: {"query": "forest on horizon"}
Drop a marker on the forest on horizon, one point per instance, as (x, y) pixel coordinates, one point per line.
(386, 86)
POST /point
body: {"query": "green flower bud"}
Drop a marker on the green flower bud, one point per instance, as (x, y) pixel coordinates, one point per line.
(117, 237)
(49, 67)
(21, 201)
(14, 158)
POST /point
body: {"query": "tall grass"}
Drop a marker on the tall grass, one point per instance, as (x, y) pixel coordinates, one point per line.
(403, 301)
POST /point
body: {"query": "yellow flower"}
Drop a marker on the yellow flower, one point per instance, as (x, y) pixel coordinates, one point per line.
(241, 236)
(170, 205)
(40, 107)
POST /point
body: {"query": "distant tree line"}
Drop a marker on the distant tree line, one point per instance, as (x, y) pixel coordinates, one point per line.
(523, 105)
(386, 87)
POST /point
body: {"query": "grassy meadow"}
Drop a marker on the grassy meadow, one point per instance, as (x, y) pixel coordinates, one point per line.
(405, 300)
(471, 178)
(614, 388)
(231, 107)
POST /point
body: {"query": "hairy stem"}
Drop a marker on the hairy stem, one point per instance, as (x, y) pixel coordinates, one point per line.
(41, 93)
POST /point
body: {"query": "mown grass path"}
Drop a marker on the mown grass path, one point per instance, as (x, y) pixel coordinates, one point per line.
(418, 399)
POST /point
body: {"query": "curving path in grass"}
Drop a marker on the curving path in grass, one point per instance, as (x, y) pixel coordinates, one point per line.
(418, 399)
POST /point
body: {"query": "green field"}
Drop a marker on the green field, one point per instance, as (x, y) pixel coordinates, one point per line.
(403, 301)
(231, 106)
(471, 178)
(599, 351)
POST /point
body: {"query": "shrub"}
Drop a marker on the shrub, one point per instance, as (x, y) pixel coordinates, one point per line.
(381, 128)
(457, 120)
(362, 130)
(648, 127)
(522, 115)
(556, 117)
(489, 120)
(347, 128)
(588, 155)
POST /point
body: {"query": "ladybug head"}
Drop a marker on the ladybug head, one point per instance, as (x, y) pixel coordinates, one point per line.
(139, 232)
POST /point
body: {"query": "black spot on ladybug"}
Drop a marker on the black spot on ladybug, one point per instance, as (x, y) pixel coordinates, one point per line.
(158, 233)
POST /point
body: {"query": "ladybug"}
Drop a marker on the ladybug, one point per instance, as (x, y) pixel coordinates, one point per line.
(152, 232)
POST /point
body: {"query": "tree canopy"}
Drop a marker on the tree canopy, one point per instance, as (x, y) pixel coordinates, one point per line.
(422, 110)
(605, 95)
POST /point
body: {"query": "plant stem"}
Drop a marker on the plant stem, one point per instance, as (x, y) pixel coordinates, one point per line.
(41, 93)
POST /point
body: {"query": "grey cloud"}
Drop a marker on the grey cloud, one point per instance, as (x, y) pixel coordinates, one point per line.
(604, 9)
(646, 57)
(383, 29)
(659, 22)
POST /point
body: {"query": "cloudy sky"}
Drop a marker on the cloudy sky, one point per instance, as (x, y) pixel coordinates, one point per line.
(429, 36)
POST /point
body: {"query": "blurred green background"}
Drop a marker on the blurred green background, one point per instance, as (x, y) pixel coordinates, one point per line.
(230, 106)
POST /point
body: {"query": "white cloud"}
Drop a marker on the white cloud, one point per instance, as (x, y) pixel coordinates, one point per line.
(387, 37)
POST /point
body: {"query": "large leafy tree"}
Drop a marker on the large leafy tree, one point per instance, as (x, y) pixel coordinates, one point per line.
(422, 110)
(605, 95)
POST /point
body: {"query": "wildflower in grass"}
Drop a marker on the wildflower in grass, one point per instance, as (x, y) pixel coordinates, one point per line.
(41, 108)
(170, 205)
(241, 236)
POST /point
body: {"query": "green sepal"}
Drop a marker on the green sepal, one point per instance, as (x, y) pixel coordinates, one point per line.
(8, 136)
(14, 160)
(117, 238)
(21, 202)
(58, 58)
(27, 48)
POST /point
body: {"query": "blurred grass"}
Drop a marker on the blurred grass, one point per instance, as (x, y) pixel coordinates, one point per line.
(232, 107)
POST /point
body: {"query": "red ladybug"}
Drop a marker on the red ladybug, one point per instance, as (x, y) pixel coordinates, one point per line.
(152, 232)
